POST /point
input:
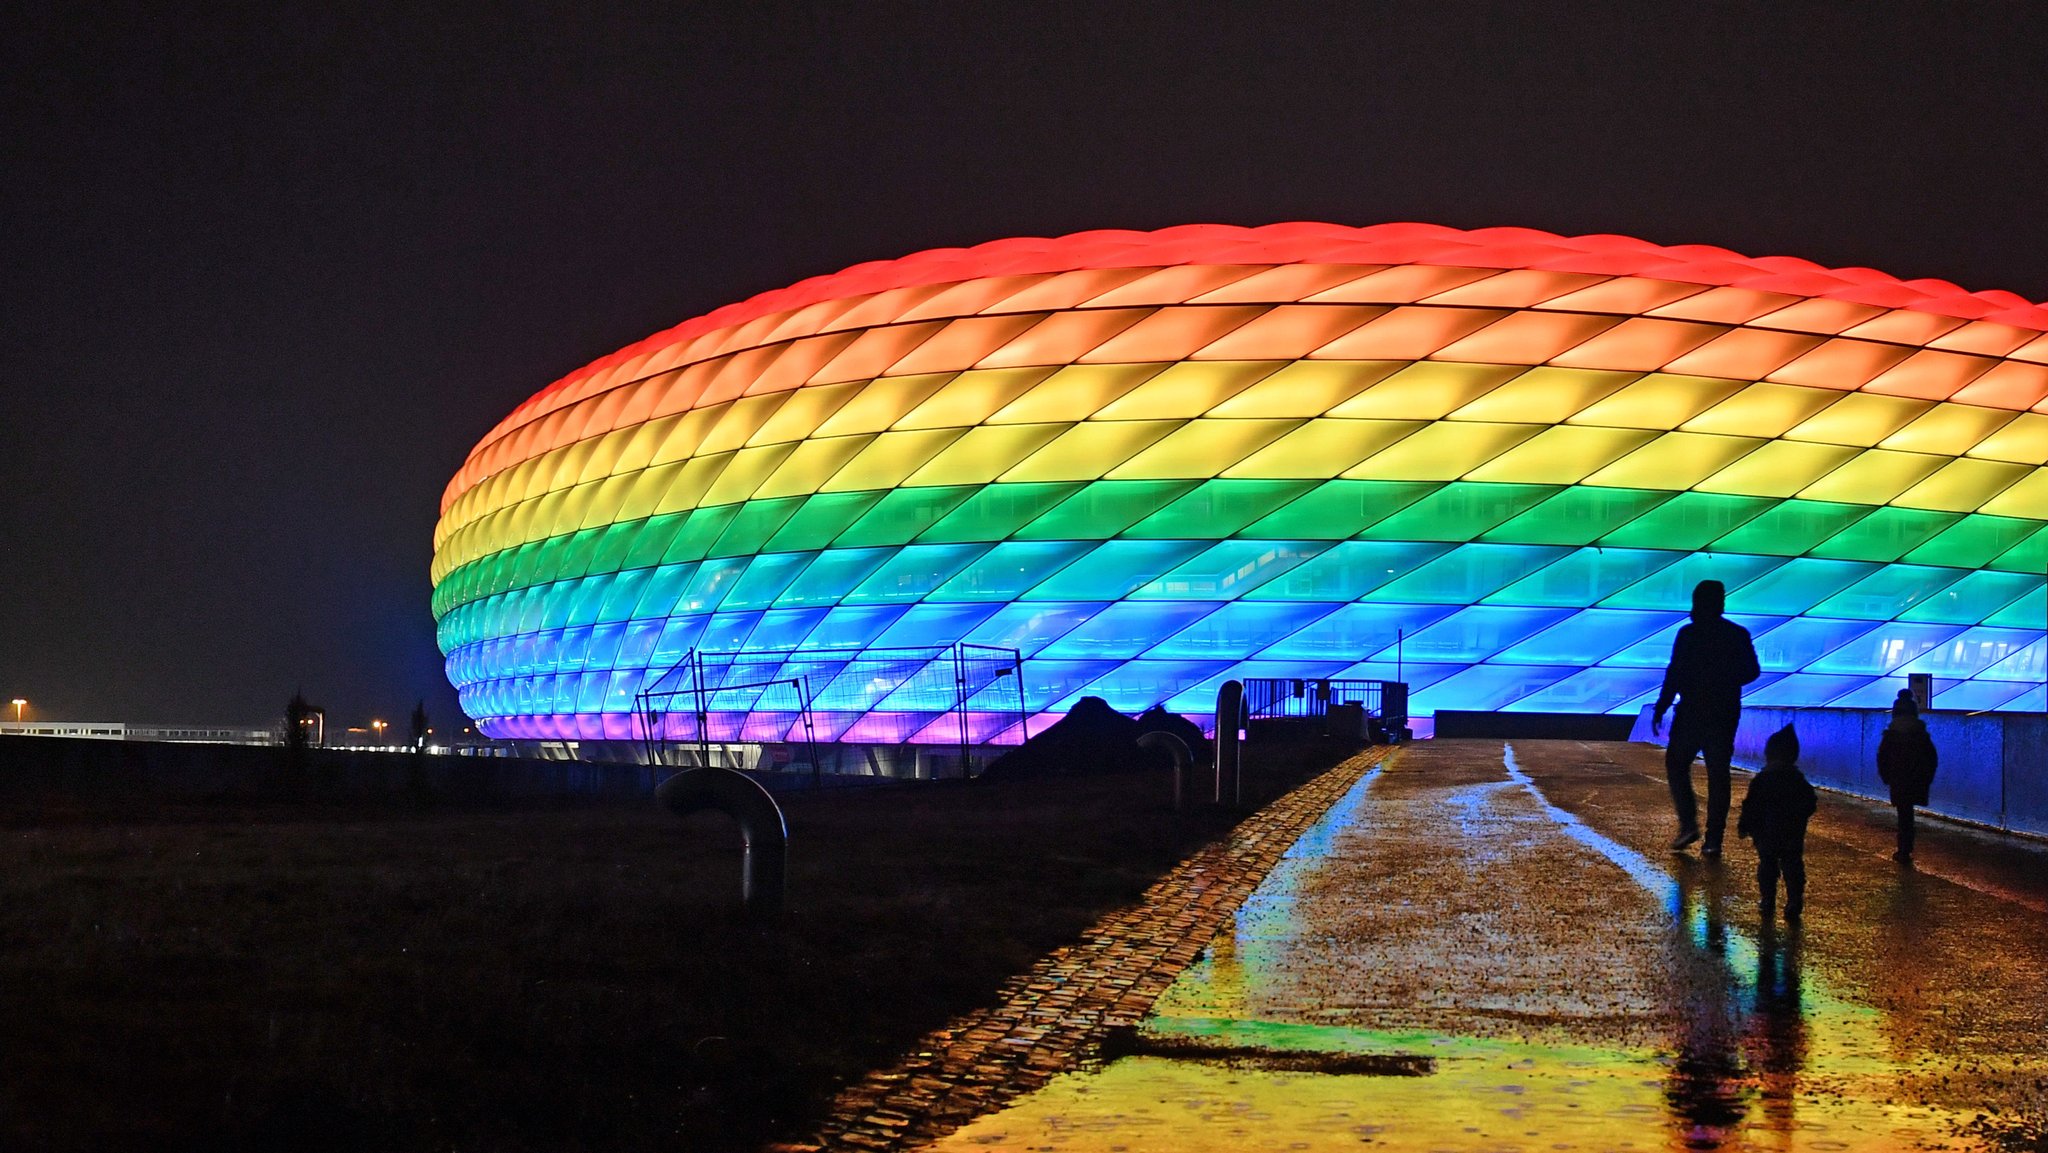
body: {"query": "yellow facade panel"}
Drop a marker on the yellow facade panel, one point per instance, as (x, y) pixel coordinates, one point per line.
(985, 453)
(745, 471)
(1872, 477)
(1428, 390)
(876, 405)
(1306, 388)
(692, 481)
(638, 451)
(1657, 401)
(649, 485)
(605, 451)
(1544, 396)
(1674, 461)
(972, 397)
(1963, 485)
(1090, 449)
(1444, 450)
(2027, 498)
(811, 464)
(1200, 449)
(568, 463)
(686, 433)
(1321, 448)
(1074, 393)
(1565, 454)
(1949, 429)
(606, 497)
(890, 458)
(743, 418)
(1187, 390)
(1860, 419)
(2023, 441)
(1778, 468)
(803, 411)
(1758, 409)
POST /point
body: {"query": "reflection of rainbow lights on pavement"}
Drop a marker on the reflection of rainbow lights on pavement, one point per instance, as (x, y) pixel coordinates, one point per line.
(1154, 461)
(1765, 1054)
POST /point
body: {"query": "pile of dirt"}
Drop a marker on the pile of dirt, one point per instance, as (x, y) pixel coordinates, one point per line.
(1095, 738)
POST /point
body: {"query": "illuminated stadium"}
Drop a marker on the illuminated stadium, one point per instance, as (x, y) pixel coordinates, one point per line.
(1491, 464)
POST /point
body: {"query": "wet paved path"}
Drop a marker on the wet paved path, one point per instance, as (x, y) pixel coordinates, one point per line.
(1484, 946)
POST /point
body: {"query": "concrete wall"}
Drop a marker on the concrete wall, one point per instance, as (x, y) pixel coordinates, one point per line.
(1994, 766)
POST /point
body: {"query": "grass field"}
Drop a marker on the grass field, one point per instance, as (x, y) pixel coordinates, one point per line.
(543, 977)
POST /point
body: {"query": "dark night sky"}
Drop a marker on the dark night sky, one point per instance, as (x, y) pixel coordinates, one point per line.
(271, 271)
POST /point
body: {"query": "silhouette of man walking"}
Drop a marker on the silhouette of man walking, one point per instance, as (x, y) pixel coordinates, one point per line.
(1711, 659)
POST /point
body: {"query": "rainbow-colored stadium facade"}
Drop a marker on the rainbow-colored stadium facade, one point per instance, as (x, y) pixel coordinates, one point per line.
(1151, 462)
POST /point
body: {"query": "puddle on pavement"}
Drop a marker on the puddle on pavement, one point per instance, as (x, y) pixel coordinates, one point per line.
(1754, 1050)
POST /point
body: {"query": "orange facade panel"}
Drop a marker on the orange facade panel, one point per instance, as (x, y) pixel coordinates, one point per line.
(1626, 295)
(1820, 315)
(1725, 305)
(1987, 338)
(1411, 333)
(1176, 285)
(1288, 332)
(1402, 284)
(1286, 282)
(1527, 337)
(1171, 333)
(873, 351)
(962, 343)
(1845, 364)
(2008, 384)
(800, 361)
(1063, 337)
(1929, 375)
(1639, 344)
(1066, 289)
(1744, 354)
(1519, 288)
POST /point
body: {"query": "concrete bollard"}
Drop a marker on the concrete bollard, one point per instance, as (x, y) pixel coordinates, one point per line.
(1182, 758)
(764, 863)
(1230, 723)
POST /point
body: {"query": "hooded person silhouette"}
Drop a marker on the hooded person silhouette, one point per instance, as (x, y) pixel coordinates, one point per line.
(1774, 814)
(1906, 759)
(1711, 659)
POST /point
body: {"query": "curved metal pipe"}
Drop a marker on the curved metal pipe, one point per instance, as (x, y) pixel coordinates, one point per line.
(1230, 722)
(764, 863)
(1178, 750)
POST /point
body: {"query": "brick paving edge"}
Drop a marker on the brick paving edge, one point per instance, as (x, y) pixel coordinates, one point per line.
(1052, 1019)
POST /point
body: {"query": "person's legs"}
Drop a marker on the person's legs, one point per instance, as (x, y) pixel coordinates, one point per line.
(1766, 882)
(1793, 862)
(1718, 750)
(1905, 831)
(1678, 755)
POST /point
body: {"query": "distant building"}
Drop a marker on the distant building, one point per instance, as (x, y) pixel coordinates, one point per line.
(122, 731)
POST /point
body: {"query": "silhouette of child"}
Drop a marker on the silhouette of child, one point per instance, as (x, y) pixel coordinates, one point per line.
(1905, 762)
(1774, 815)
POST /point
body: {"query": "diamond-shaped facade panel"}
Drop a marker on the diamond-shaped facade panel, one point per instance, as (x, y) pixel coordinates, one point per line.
(1492, 463)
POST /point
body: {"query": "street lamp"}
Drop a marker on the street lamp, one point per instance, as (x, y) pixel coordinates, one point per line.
(379, 726)
(20, 703)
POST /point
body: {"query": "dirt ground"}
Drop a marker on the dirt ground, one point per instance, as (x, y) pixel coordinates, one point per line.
(543, 977)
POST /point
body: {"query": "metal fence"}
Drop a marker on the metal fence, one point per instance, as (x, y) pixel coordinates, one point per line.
(961, 695)
(1268, 698)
